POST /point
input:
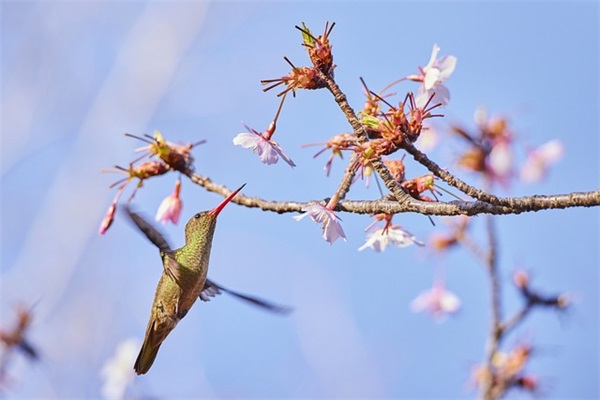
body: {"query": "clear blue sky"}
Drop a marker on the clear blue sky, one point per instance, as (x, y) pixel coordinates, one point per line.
(77, 75)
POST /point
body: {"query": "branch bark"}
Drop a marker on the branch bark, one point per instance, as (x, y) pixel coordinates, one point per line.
(517, 205)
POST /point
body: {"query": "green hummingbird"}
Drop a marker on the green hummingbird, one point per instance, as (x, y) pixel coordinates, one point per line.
(184, 279)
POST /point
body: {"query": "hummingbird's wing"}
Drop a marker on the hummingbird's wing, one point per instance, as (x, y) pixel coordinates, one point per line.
(172, 267)
(150, 231)
(29, 350)
(170, 264)
(211, 289)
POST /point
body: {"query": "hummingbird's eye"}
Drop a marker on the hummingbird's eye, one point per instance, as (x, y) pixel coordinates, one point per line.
(197, 216)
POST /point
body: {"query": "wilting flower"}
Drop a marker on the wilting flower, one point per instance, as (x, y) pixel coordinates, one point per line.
(177, 156)
(117, 371)
(382, 237)
(170, 208)
(337, 143)
(536, 165)
(268, 150)
(433, 75)
(332, 230)
(438, 301)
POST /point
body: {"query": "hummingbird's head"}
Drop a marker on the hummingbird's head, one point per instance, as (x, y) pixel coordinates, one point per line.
(204, 222)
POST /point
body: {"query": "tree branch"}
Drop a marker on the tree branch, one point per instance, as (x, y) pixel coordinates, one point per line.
(519, 204)
(361, 134)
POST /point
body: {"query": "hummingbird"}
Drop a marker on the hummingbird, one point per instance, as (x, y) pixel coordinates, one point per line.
(184, 279)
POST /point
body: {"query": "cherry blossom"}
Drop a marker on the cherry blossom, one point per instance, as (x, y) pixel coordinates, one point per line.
(382, 237)
(501, 161)
(170, 208)
(108, 219)
(433, 75)
(438, 301)
(332, 230)
(267, 150)
(536, 165)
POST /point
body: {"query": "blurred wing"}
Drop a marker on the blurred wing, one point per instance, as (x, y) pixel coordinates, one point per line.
(171, 266)
(29, 350)
(150, 231)
(211, 289)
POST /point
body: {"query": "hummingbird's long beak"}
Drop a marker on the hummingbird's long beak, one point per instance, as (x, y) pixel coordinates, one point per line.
(215, 211)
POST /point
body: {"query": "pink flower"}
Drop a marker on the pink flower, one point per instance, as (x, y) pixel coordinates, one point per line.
(380, 238)
(500, 161)
(332, 230)
(438, 301)
(428, 139)
(170, 208)
(433, 75)
(536, 165)
(108, 219)
(268, 150)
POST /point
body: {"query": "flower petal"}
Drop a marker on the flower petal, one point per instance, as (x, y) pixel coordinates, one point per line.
(246, 140)
(169, 210)
(432, 76)
(446, 66)
(332, 230)
(536, 165)
(284, 156)
(266, 152)
(501, 160)
(434, 53)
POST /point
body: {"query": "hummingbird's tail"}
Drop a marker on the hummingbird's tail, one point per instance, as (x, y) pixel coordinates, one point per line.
(149, 350)
(146, 358)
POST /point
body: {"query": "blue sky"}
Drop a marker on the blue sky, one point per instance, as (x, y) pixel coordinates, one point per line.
(76, 76)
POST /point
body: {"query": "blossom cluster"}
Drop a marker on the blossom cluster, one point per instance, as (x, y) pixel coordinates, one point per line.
(164, 157)
(507, 370)
(491, 151)
(387, 131)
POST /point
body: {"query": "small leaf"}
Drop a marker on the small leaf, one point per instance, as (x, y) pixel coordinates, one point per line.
(369, 121)
(307, 36)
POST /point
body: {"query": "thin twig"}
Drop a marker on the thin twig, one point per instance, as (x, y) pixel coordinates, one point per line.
(473, 247)
(489, 389)
(514, 320)
(351, 169)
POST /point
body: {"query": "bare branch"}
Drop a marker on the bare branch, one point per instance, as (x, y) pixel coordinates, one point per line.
(519, 204)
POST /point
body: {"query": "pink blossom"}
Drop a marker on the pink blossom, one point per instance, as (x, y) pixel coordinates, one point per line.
(332, 230)
(438, 301)
(428, 139)
(380, 238)
(170, 208)
(500, 161)
(437, 70)
(108, 219)
(433, 75)
(268, 150)
(441, 95)
(538, 160)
